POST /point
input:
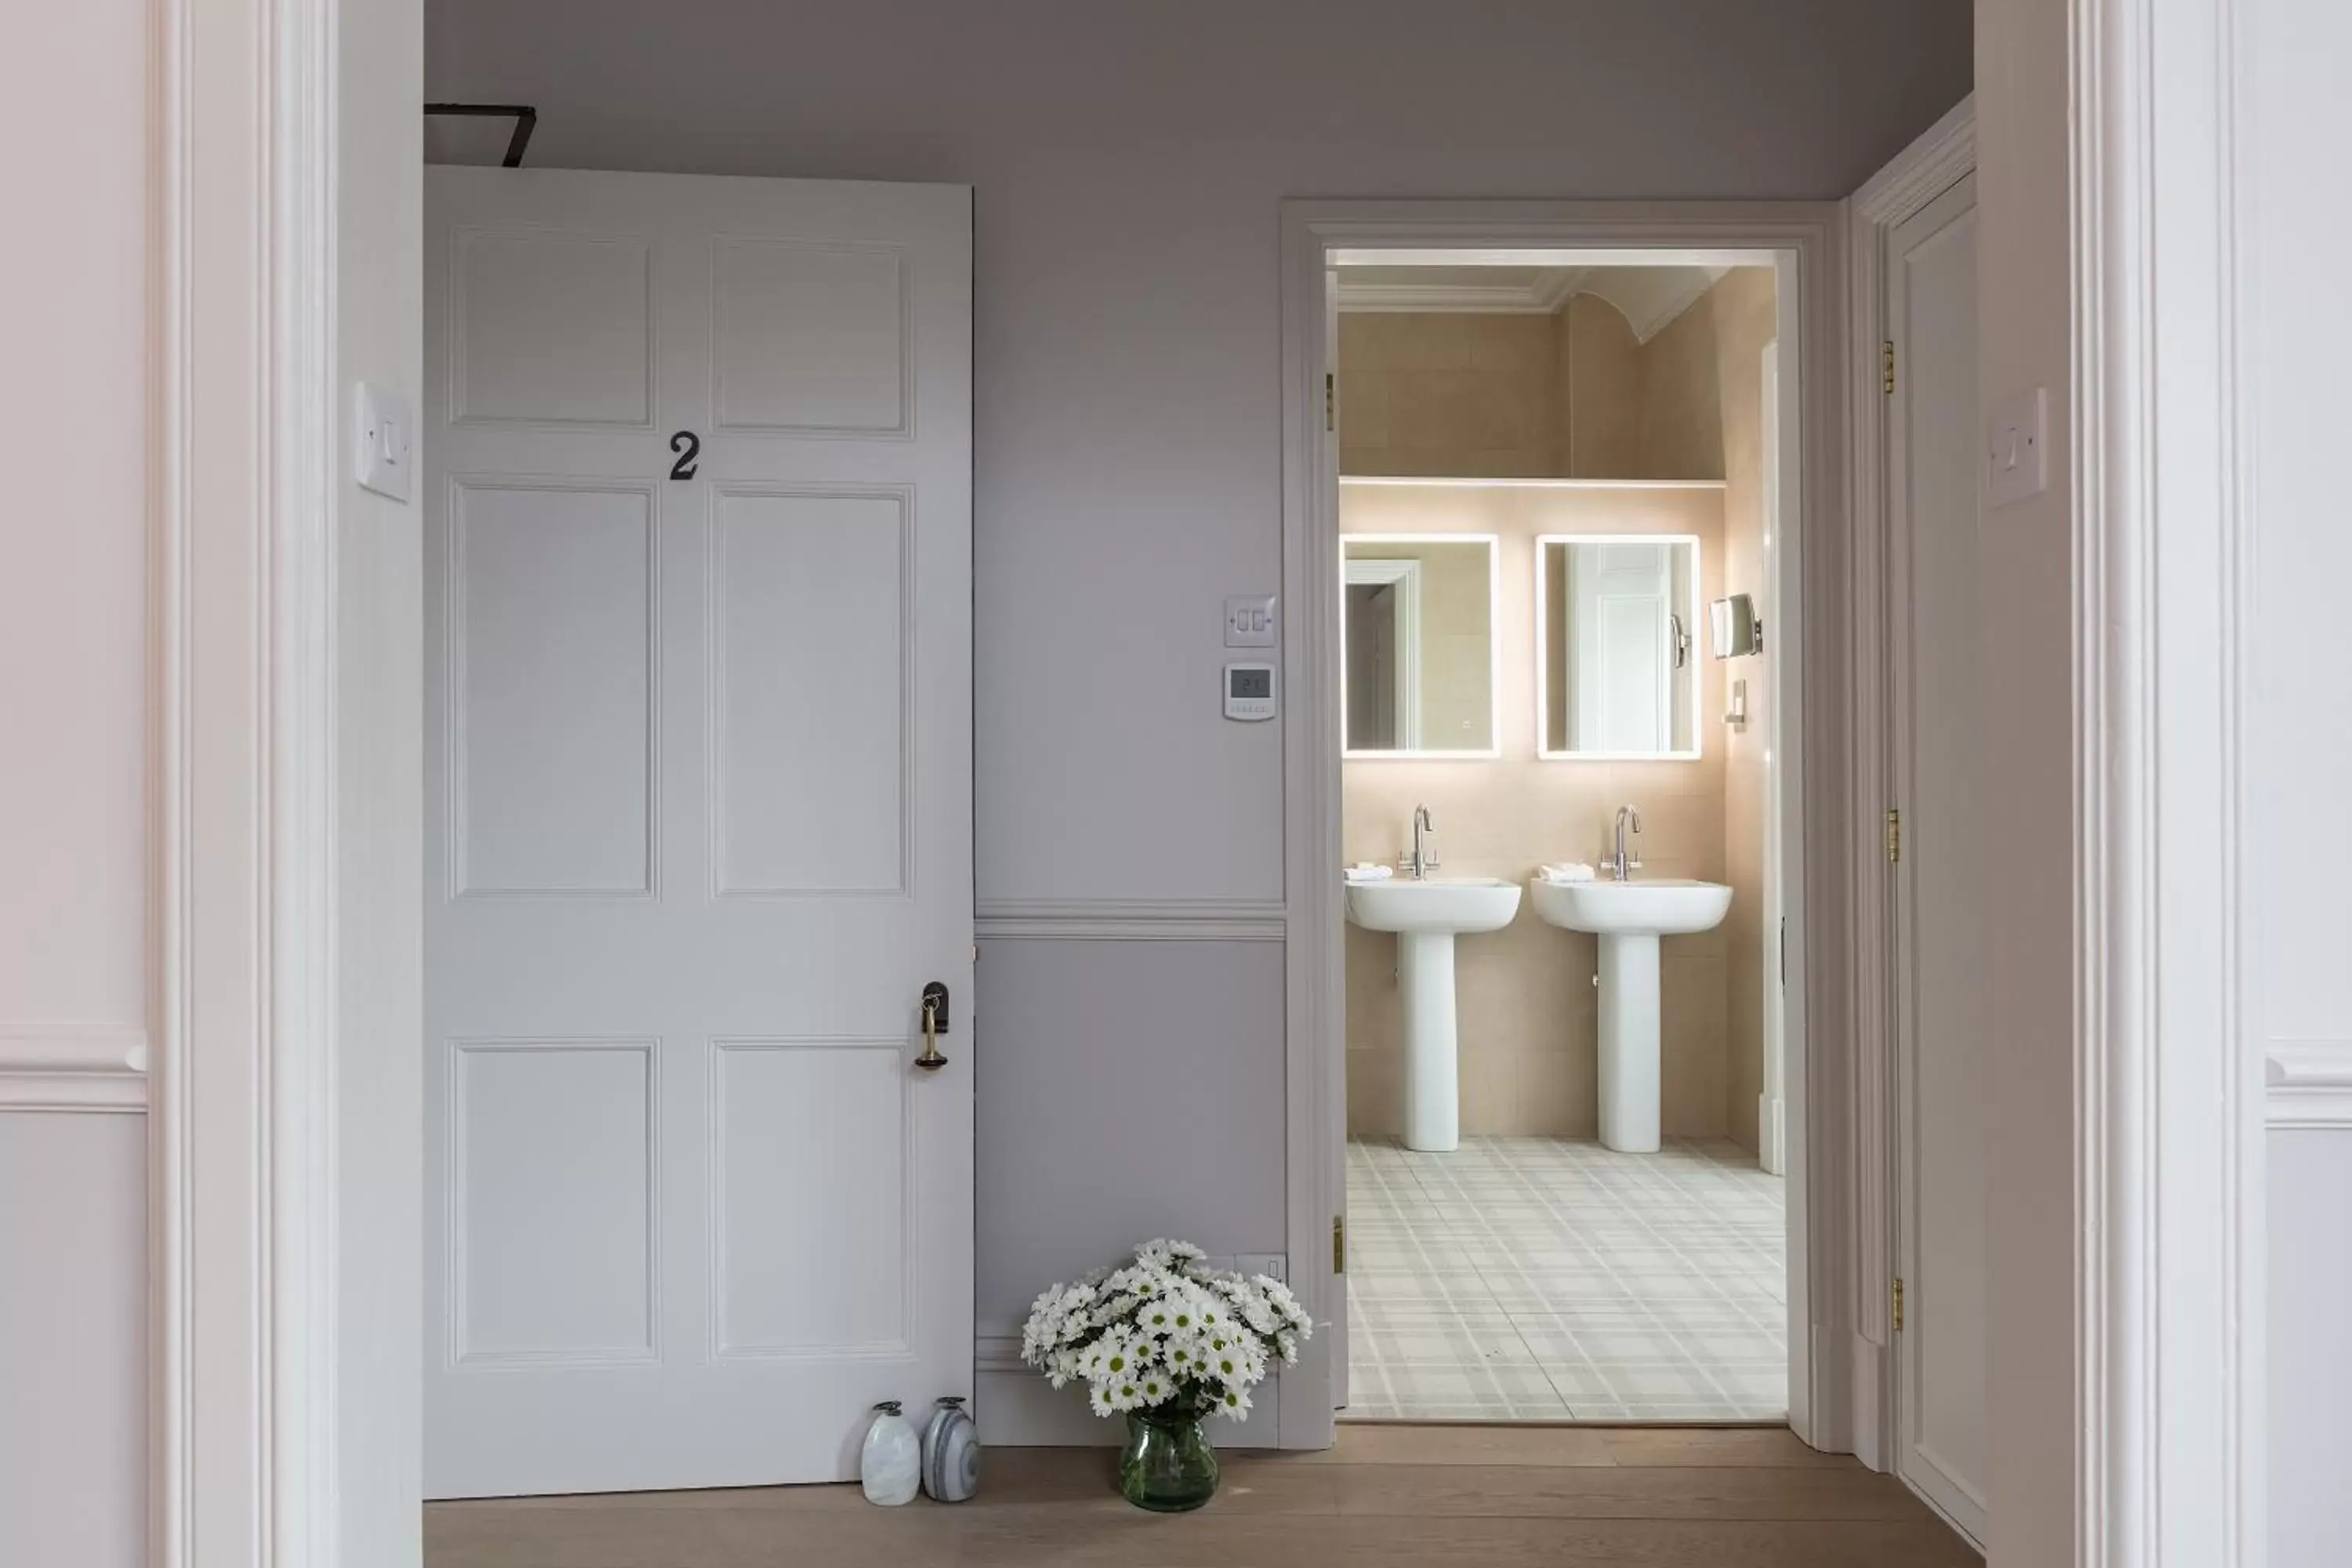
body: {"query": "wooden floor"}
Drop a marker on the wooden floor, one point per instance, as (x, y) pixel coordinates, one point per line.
(1656, 1498)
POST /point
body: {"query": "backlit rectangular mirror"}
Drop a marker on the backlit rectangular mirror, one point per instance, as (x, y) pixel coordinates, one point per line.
(1616, 663)
(1417, 624)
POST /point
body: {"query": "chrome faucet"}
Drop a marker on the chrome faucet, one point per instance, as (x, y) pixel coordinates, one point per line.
(1621, 866)
(1421, 862)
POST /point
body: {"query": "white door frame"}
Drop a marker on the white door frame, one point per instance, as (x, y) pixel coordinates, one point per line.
(1802, 241)
(250, 1463)
(1772, 1103)
(2170, 1138)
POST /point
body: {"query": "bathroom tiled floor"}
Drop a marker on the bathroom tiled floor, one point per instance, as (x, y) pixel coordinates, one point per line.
(1552, 1280)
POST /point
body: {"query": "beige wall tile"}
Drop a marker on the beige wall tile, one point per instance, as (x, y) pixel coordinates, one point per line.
(1572, 394)
(1449, 395)
(1691, 1026)
(1600, 374)
(1742, 317)
(1375, 1094)
(1525, 994)
(1681, 414)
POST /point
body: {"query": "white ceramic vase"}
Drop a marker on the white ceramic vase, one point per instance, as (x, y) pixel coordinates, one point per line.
(890, 1464)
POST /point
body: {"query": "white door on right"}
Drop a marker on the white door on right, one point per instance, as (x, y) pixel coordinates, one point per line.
(1944, 873)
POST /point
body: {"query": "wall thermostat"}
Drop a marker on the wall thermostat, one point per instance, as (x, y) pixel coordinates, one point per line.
(1249, 691)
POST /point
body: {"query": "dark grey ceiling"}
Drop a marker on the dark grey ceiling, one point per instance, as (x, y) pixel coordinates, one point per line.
(1691, 98)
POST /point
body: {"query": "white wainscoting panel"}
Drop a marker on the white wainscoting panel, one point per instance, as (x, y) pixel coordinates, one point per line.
(73, 1338)
(2310, 1385)
(1125, 1089)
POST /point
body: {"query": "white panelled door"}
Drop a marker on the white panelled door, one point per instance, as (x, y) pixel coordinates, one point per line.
(1944, 878)
(1621, 599)
(698, 823)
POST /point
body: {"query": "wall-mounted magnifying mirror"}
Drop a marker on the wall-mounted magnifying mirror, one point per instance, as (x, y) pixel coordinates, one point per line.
(1417, 623)
(1737, 631)
(1617, 662)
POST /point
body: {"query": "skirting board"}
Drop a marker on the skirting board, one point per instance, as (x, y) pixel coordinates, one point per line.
(1017, 1408)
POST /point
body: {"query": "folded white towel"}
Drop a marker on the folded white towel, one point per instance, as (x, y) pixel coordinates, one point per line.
(1366, 871)
(1566, 871)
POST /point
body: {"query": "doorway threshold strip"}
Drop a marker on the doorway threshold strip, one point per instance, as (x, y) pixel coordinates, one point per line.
(1553, 1279)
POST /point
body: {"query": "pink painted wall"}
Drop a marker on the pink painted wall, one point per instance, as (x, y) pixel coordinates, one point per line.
(73, 662)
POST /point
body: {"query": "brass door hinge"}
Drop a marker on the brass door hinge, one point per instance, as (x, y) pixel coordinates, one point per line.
(1893, 836)
(1330, 402)
(1898, 1306)
(1886, 366)
(1338, 1243)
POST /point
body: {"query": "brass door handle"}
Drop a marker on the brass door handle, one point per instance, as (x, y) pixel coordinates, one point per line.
(935, 1018)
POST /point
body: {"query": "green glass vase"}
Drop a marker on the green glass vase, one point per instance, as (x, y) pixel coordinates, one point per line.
(1167, 1466)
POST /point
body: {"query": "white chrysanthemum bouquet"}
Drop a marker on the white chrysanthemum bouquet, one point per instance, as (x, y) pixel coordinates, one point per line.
(1164, 1331)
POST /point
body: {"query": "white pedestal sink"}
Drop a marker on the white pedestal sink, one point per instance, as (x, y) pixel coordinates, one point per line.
(1629, 918)
(1427, 915)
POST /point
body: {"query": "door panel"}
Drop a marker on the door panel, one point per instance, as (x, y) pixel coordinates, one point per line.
(542, 1126)
(1941, 881)
(551, 658)
(810, 591)
(554, 328)
(698, 784)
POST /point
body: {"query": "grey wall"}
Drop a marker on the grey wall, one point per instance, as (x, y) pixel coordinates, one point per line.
(2299, 748)
(2025, 646)
(1128, 161)
(2311, 1385)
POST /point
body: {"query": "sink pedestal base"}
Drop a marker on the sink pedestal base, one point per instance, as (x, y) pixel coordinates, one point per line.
(1629, 1043)
(1433, 1103)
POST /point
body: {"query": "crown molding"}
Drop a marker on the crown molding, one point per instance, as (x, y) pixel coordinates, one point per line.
(1541, 297)
(1670, 309)
(1544, 295)
(1937, 158)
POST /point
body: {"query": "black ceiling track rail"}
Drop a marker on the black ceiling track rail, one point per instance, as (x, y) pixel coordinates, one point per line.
(524, 116)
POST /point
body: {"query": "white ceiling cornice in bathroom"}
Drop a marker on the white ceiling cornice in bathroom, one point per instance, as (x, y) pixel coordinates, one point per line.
(1649, 297)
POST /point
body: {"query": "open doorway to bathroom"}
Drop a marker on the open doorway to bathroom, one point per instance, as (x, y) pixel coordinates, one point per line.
(1558, 485)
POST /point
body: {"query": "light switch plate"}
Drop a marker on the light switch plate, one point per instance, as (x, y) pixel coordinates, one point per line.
(385, 430)
(1251, 620)
(2017, 447)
